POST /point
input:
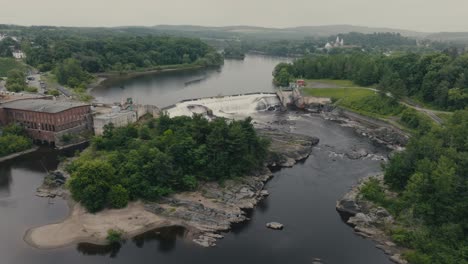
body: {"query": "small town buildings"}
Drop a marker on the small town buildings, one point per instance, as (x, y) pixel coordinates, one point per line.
(337, 44)
(18, 54)
(117, 117)
(47, 120)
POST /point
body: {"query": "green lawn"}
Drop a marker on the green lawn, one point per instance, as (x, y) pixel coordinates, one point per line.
(361, 100)
(8, 64)
(339, 93)
(338, 83)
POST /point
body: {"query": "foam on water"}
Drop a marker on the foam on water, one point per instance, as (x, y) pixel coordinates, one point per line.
(235, 106)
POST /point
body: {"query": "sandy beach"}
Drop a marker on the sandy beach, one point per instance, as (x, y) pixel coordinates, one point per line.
(81, 226)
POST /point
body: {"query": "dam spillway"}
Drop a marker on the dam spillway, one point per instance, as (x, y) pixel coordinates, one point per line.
(233, 106)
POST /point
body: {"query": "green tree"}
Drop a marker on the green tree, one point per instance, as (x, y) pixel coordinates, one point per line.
(16, 81)
(283, 78)
(118, 196)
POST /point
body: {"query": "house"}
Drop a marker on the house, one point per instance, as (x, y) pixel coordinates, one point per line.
(18, 54)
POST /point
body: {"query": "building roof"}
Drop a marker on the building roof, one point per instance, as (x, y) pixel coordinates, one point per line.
(41, 105)
(111, 115)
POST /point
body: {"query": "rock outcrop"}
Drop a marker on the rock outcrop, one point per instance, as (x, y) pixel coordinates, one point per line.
(53, 184)
(286, 148)
(369, 220)
(377, 130)
(214, 207)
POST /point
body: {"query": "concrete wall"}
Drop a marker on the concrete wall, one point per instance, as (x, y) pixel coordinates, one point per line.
(142, 110)
(118, 119)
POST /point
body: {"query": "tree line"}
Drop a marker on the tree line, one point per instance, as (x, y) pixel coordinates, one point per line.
(74, 55)
(431, 180)
(437, 78)
(74, 58)
(164, 155)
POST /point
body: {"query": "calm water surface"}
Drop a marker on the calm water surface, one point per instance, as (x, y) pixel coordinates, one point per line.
(303, 197)
(254, 74)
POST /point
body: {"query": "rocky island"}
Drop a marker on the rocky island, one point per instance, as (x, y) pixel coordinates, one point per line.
(211, 208)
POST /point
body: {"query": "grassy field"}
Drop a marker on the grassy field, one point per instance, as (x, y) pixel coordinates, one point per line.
(8, 64)
(368, 102)
(339, 93)
(346, 94)
(336, 83)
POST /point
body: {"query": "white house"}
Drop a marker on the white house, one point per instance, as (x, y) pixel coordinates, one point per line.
(18, 54)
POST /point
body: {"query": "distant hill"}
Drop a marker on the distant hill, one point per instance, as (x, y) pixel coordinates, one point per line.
(283, 33)
(328, 30)
(242, 31)
(459, 37)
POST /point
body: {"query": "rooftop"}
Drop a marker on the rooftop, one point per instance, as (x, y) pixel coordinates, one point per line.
(41, 105)
(112, 115)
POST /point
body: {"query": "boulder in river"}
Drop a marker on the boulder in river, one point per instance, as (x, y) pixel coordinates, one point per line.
(275, 225)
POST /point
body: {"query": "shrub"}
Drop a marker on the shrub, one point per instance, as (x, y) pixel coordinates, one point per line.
(372, 191)
(415, 257)
(53, 92)
(114, 236)
(31, 89)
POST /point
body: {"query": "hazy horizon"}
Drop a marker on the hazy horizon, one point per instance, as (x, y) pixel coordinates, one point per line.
(417, 15)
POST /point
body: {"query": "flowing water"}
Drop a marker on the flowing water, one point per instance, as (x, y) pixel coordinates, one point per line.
(302, 198)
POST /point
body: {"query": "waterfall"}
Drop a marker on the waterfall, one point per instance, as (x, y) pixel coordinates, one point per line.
(227, 106)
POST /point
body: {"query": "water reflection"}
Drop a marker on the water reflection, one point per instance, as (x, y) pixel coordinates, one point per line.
(91, 250)
(5, 181)
(167, 237)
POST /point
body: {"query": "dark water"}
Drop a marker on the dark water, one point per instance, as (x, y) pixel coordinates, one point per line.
(303, 198)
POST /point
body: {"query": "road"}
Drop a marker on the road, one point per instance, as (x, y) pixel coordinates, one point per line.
(429, 112)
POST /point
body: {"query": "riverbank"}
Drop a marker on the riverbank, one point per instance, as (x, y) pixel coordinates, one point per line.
(17, 154)
(214, 207)
(377, 130)
(369, 220)
(111, 77)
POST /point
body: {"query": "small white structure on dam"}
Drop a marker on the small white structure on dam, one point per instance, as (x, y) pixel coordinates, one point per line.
(233, 106)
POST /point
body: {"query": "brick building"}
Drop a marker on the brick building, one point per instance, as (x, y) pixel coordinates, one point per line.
(47, 120)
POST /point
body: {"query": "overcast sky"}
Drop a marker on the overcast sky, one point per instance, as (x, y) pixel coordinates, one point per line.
(421, 15)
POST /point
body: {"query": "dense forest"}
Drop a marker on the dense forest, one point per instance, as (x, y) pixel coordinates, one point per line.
(376, 40)
(74, 55)
(431, 207)
(233, 51)
(164, 155)
(437, 78)
(13, 139)
(73, 58)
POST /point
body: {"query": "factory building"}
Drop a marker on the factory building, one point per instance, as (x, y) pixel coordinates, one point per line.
(48, 120)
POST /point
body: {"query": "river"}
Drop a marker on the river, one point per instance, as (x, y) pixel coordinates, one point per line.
(302, 198)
